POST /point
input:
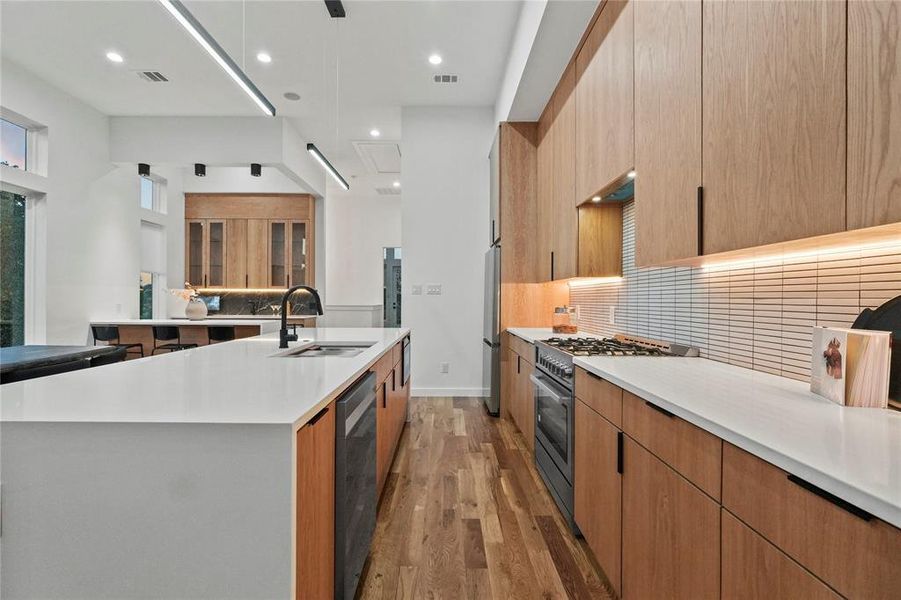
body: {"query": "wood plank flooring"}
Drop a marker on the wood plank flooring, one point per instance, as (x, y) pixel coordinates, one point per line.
(465, 515)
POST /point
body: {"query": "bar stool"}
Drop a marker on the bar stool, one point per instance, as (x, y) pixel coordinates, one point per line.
(165, 334)
(220, 333)
(110, 335)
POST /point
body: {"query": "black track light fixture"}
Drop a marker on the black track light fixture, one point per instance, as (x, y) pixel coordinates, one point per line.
(143, 169)
(256, 169)
(200, 169)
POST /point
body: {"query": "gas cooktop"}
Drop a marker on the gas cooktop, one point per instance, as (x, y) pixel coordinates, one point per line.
(585, 346)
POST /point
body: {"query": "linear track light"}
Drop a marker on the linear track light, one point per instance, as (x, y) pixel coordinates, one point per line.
(208, 43)
(312, 149)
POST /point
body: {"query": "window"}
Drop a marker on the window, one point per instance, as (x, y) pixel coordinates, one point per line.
(13, 145)
(146, 298)
(148, 193)
(12, 269)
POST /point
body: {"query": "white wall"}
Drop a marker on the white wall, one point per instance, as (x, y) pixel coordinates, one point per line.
(359, 224)
(445, 209)
(91, 213)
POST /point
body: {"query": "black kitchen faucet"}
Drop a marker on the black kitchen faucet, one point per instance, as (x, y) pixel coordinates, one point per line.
(283, 336)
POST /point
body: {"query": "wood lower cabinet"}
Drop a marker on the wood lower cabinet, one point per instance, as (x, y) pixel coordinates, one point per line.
(392, 399)
(754, 568)
(874, 109)
(598, 489)
(667, 129)
(314, 571)
(523, 400)
(671, 532)
(604, 142)
(773, 135)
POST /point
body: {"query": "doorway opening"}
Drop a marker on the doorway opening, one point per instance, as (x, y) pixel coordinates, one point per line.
(391, 288)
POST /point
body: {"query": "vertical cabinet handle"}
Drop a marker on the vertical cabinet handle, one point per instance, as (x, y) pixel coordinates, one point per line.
(246, 281)
(393, 380)
(700, 220)
(385, 394)
(204, 280)
(552, 265)
(619, 452)
(518, 363)
(492, 232)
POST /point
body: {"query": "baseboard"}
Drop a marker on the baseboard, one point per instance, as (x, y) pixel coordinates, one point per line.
(449, 392)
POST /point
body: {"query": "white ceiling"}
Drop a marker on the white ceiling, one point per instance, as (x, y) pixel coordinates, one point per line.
(358, 71)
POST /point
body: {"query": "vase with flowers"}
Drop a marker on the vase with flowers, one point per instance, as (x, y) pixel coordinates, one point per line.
(196, 309)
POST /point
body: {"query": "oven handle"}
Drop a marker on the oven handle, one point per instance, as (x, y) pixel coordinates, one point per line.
(552, 389)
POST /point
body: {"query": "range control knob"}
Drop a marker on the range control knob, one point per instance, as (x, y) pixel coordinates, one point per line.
(567, 371)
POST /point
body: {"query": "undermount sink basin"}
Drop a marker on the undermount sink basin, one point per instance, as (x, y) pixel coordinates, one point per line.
(328, 349)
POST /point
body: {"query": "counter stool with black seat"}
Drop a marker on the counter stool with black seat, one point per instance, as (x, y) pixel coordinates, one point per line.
(220, 333)
(166, 334)
(110, 335)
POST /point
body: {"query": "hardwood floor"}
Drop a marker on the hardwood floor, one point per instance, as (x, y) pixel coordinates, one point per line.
(465, 515)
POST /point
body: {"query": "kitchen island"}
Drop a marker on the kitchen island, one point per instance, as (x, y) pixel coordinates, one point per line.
(172, 476)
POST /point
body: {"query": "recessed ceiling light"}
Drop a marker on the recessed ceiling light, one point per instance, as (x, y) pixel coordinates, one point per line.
(292, 96)
(375, 132)
(396, 184)
(115, 57)
(435, 59)
(263, 57)
(596, 199)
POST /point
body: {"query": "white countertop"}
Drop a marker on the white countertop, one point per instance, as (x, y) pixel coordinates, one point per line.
(231, 382)
(534, 334)
(853, 453)
(184, 322)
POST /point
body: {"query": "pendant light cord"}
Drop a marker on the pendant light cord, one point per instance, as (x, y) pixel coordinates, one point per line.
(244, 35)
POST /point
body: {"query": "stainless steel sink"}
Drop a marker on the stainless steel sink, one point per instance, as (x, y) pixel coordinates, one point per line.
(327, 349)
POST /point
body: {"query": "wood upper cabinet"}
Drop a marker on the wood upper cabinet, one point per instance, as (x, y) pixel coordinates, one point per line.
(667, 129)
(195, 264)
(257, 253)
(773, 122)
(566, 222)
(314, 571)
(517, 203)
(604, 148)
(874, 111)
(205, 252)
(236, 254)
(545, 209)
(671, 532)
(597, 487)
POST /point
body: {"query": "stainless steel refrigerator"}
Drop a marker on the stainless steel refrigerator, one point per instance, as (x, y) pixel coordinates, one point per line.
(491, 347)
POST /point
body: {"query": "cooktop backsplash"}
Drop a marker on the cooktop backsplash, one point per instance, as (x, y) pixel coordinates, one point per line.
(755, 315)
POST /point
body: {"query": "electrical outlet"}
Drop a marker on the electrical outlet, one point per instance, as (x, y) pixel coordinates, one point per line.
(445, 367)
(612, 318)
(417, 290)
(433, 289)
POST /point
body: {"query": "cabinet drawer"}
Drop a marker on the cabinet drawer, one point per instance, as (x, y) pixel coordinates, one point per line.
(754, 568)
(523, 348)
(856, 557)
(383, 368)
(693, 452)
(601, 395)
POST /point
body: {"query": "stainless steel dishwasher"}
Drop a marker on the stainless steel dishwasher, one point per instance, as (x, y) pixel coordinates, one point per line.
(355, 483)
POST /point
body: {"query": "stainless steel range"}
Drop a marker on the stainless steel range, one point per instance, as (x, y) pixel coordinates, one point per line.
(554, 410)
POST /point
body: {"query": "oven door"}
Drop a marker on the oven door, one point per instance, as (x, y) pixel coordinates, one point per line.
(554, 421)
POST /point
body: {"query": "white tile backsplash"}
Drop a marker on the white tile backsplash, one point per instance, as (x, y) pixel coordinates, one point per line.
(757, 315)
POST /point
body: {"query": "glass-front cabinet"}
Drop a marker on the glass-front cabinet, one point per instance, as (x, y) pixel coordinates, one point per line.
(205, 251)
(288, 253)
(298, 274)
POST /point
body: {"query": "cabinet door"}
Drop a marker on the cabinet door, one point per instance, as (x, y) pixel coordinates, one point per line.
(494, 174)
(874, 110)
(525, 401)
(382, 432)
(315, 516)
(194, 252)
(298, 274)
(236, 254)
(754, 568)
(667, 129)
(215, 252)
(544, 209)
(603, 124)
(566, 217)
(257, 253)
(508, 380)
(598, 490)
(278, 253)
(773, 121)
(671, 532)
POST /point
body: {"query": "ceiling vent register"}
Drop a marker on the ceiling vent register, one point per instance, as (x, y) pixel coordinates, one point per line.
(445, 78)
(152, 76)
(387, 191)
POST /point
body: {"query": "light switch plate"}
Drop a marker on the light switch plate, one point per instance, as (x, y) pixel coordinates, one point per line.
(445, 367)
(417, 290)
(433, 289)
(612, 318)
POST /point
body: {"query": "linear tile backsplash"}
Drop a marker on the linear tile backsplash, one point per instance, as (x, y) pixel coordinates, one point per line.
(757, 315)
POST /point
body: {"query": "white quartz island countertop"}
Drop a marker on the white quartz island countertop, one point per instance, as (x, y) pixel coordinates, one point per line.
(853, 453)
(233, 382)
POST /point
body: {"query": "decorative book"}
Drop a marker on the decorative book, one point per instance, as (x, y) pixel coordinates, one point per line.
(851, 366)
